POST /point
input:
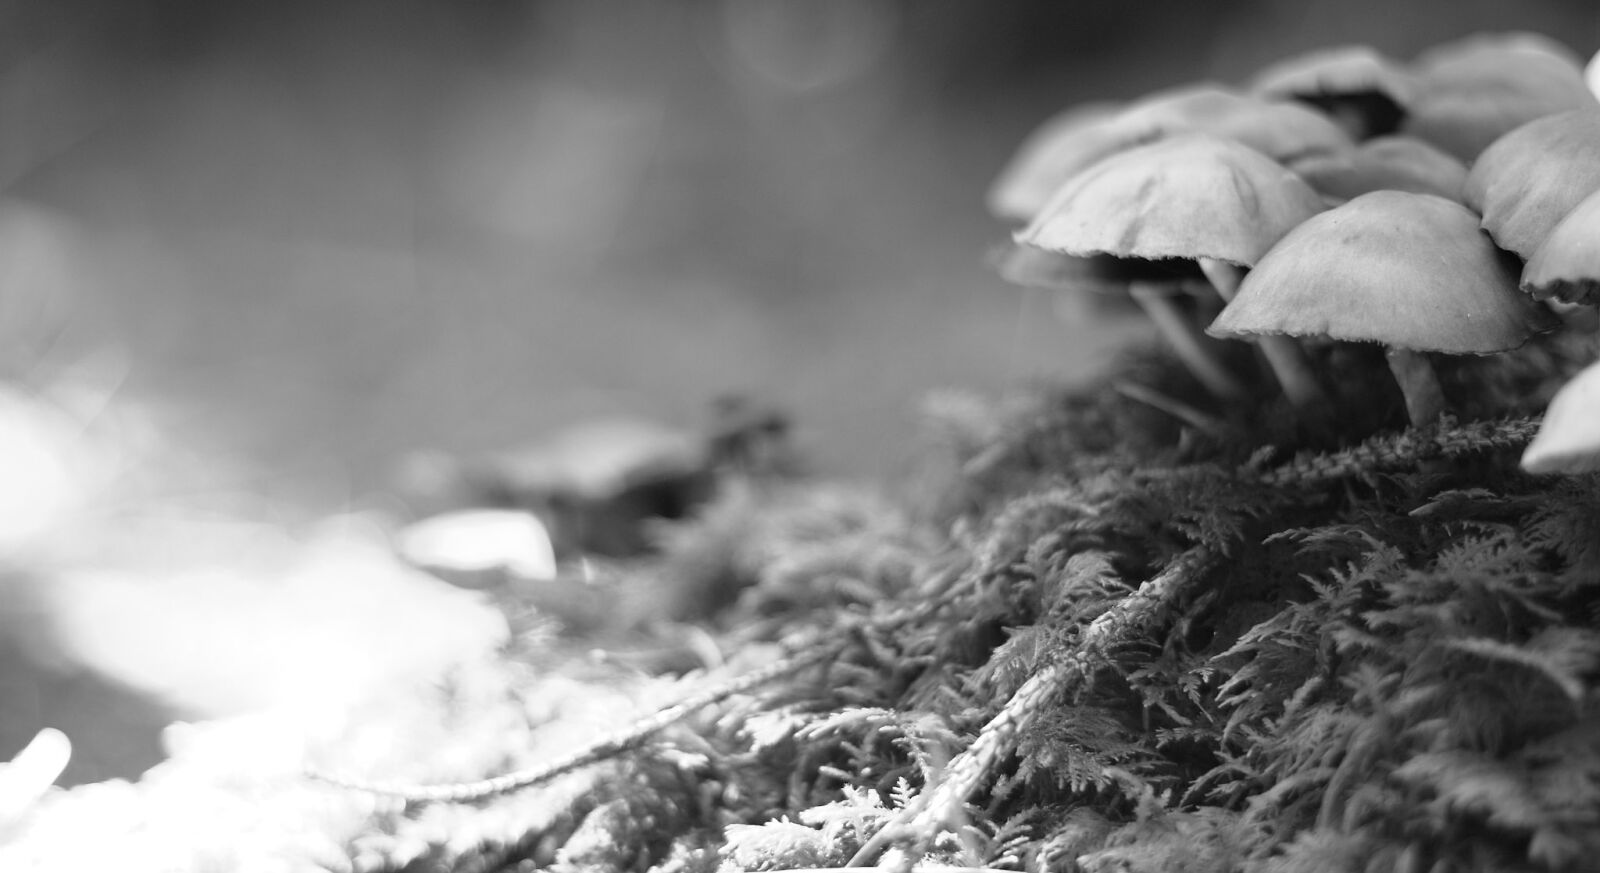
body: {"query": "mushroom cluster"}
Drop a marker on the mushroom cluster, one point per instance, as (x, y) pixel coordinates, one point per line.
(1449, 205)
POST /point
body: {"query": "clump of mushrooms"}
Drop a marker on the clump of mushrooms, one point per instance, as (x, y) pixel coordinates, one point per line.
(1411, 272)
(1442, 175)
(1281, 130)
(1192, 197)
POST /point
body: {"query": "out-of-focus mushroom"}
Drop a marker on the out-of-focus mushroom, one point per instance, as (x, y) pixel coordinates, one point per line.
(1191, 197)
(1569, 437)
(1280, 130)
(1155, 287)
(1385, 163)
(1412, 272)
(1032, 176)
(1529, 179)
(1108, 283)
(1365, 92)
(1033, 267)
(1472, 92)
(1567, 266)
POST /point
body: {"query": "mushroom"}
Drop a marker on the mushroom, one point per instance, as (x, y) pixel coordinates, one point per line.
(1529, 179)
(1192, 197)
(1365, 92)
(1033, 267)
(1567, 266)
(1281, 131)
(1031, 176)
(1471, 92)
(1568, 440)
(1410, 271)
(1394, 163)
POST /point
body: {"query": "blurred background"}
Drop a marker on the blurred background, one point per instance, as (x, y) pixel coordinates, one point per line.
(268, 249)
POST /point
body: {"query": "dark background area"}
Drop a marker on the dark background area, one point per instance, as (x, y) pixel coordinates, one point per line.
(315, 236)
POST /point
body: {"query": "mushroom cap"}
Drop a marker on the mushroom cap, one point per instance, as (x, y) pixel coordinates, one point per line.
(1567, 266)
(1472, 92)
(1190, 196)
(1334, 71)
(1352, 75)
(1394, 163)
(1033, 267)
(1569, 438)
(1032, 176)
(1529, 179)
(1282, 131)
(1278, 129)
(1410, 271)
(1472, 49)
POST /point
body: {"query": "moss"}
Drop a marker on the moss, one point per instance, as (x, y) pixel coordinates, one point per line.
(1112, 645)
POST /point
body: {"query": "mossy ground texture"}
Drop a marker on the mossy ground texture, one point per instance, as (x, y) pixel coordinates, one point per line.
(1083, 636)
(1091, 638)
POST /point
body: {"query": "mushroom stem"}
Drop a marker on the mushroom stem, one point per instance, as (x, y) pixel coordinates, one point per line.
(1176, 408)
(1284, 355)
(1187, 341)
(1420, 385)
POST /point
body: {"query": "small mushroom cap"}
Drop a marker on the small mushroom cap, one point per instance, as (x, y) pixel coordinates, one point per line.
(1070, 149)
(1385, 163)
(1340, 70)
(1033, 267)
(1409, 271)
(1471, 50)
(1280, 130)
(1351, 74)
(1191, 196)
(1569, 438)
(1033, 174)
(1473, 92)
(1567, 266)
(1529, 179)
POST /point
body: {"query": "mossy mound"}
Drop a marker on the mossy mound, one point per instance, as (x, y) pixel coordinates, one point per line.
(1093, 639)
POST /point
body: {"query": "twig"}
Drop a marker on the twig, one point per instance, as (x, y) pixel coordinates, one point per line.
(1184, 412)
(1400, 451)
(942, 803)
(628, 739)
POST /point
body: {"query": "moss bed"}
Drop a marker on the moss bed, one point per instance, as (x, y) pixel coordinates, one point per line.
(1082, 636)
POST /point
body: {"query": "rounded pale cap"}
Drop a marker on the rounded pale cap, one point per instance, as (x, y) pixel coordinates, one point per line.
(1034, 172)
(1529, 179)
(1569, 439)
(1385, 163)
(1472, 92)
(1467, 52)
(1567, 266)
(1191, 196)
(1281, 131)
(1409, 271)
